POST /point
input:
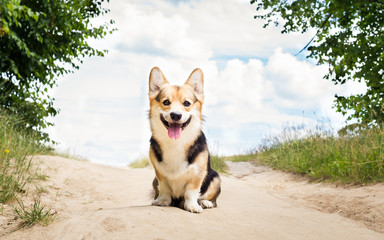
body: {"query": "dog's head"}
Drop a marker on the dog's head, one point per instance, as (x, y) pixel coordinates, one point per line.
(175, 109)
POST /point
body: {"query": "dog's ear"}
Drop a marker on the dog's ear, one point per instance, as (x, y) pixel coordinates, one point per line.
(156, 80)
(196, 81)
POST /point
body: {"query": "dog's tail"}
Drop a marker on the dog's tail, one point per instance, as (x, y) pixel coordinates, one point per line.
(155, 191)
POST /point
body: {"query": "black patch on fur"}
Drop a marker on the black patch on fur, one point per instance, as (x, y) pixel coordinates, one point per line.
(197, 147)
(211, 174)
(186, 122)
(178, 202)
(166, 124)
(156, 149)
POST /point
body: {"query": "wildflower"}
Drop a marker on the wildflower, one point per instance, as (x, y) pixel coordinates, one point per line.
(6, 151)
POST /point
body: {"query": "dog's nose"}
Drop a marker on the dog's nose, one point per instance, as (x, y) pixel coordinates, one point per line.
(175, 116)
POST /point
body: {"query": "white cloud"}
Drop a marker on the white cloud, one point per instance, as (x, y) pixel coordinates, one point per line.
(258, 92)
(149, 31)
(298, 83)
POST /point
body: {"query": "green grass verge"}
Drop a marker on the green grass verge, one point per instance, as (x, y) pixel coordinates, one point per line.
(16, 153)
(354, 158)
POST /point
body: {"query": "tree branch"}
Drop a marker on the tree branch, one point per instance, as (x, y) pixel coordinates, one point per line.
(318, 31)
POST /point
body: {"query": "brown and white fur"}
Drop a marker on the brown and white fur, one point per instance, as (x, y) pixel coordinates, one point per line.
(178, 150)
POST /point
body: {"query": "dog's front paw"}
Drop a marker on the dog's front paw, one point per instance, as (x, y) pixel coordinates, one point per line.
(206, 204)
(193, 207)
(162, 201)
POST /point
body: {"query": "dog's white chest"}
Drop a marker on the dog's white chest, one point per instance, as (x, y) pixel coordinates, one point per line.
(175, 169)
(174, 163)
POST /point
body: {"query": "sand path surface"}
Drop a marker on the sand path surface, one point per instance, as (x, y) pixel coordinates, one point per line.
(99, 202)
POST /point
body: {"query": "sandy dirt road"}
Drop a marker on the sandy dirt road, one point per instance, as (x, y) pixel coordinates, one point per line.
(99, 202)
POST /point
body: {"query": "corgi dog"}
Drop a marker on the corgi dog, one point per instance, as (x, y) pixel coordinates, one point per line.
(178, 148)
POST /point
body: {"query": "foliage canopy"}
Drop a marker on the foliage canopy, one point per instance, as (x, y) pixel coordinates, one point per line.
(41, 40)
(350, 38)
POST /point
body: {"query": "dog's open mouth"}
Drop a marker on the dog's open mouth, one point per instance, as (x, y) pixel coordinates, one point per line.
(174, 129)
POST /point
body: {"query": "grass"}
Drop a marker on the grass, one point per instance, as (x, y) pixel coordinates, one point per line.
(16, 149)
(35, 214)
(140, 163)
(353, 158)
(16, 168)
(218, 163)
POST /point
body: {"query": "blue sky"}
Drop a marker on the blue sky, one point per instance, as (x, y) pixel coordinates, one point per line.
(253, 82)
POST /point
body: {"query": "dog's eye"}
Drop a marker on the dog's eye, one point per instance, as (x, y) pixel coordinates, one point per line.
(186, 104)
(166, 102)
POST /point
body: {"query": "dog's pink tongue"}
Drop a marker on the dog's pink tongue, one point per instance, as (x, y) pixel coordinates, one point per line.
(174, 131)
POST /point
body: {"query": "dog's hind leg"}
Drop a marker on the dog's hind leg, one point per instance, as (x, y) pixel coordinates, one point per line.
(212, 190)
